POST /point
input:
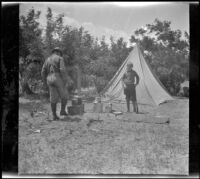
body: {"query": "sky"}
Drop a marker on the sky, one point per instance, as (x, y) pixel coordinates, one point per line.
(114, 18)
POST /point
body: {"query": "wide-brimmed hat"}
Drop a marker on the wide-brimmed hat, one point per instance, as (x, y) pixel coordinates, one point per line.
(57, 49)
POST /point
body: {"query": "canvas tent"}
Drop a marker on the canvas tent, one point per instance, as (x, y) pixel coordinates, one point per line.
(150, 90)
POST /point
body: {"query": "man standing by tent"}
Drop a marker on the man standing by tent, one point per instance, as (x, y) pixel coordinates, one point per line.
(130, 81)
(54, 75)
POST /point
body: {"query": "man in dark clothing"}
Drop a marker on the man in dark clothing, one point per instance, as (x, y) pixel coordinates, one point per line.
(55, 76)
(130, 81)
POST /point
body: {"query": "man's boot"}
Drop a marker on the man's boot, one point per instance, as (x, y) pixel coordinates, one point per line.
(128, 105)
(63, 105)
(53, 108)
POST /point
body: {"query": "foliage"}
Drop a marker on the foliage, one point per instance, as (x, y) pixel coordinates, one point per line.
(30, 47)
(165, 50)
(100, 83)
(30, 37)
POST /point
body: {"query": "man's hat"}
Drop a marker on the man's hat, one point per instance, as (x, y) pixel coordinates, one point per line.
(56, 49)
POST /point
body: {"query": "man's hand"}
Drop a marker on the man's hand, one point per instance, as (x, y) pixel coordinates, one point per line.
(123, 85)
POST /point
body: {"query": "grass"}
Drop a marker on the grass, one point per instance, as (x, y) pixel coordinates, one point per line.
(116, 145)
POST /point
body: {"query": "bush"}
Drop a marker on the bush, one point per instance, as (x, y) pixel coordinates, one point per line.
(100, 83)
(87, 80)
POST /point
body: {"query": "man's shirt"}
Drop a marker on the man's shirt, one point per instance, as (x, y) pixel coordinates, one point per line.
(54, 64)
(130, 77)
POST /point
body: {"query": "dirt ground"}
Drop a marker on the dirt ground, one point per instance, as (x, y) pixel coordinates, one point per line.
(156, 141)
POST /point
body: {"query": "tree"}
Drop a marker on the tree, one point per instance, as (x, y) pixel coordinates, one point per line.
(165, 49)
(167, 52)
(95, 50)
(50, 28)
(59, 27)
(119, 51)
(30, 47)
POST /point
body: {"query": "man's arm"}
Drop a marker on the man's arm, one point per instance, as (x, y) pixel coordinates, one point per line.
(137, 78)
(123, 79)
